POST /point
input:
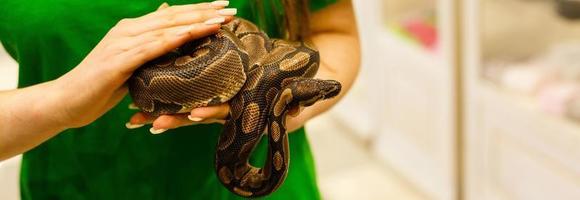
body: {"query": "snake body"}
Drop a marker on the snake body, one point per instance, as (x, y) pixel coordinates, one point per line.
(261, 78)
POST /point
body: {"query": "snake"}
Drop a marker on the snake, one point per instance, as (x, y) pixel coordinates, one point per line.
(260, 78)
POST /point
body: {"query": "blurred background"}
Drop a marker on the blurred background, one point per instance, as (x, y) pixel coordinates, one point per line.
(457, 99)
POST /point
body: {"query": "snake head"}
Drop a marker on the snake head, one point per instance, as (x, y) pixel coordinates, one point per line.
(308, 91)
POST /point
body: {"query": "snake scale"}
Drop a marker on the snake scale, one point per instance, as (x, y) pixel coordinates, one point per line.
(260, 78)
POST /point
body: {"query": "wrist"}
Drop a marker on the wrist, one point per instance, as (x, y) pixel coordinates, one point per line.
(52, 107)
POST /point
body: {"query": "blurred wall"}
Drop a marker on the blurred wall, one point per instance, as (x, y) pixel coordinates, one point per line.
(9, 169)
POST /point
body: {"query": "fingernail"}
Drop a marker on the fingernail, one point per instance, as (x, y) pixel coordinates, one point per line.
(156, 131)
(217, 20)
(129, 125)
(219, 4)
(195, 119)
(132, 106)
(228, 11)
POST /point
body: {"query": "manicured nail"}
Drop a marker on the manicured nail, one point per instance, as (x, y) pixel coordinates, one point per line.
(132, 106)
(156, 131)
(129, 125)
(220, 4)
(195, 119)
(228, 11)
(217, 20)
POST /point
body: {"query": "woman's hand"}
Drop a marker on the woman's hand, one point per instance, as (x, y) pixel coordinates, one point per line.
(203, 115)
(34, 114)
(97, 83)
(333, 32)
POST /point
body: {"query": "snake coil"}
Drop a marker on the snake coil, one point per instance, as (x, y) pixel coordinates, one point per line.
(261, 78)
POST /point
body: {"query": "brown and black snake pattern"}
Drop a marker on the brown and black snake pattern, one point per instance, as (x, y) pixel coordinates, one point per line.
(261, 78)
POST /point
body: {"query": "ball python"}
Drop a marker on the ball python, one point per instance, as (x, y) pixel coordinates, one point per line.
(260, 78)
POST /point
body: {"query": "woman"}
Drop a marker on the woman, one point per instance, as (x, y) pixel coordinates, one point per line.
(74, 59)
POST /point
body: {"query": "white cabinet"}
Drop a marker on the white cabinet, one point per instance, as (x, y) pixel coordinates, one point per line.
(513, 148)
(411, 89)
(452, 130)
(8, 169)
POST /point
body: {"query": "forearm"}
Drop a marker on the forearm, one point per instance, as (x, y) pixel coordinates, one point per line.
(26, 118)
(336, 37)
(339, 61)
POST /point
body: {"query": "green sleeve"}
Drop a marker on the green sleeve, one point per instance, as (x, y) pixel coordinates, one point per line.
(319, 4)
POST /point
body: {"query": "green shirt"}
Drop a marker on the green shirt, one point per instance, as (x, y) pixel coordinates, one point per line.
(104, 160)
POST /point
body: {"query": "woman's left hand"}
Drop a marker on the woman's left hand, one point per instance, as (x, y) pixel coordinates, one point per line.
(203, 115)
(333, 32)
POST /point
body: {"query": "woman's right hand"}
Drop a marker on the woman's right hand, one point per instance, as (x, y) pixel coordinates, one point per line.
(97, 83)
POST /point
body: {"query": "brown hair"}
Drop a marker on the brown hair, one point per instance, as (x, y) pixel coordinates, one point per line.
(297, 19)
(291, 17)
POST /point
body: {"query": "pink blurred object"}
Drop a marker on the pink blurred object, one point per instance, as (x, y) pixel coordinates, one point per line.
(425, 33)
(554, 98)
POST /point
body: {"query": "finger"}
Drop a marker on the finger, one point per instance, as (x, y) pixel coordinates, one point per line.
(176, 121)
(138, 120)
(155, 44)
(178, 19)
(173, 16)
(212, 121)
(219, 112)
(185, 8)
(125, 43)
(165, 122)
(164, 11)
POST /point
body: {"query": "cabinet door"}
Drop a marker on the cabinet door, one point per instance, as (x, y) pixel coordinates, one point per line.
(417, 134)
(520, 153)
(514, 148)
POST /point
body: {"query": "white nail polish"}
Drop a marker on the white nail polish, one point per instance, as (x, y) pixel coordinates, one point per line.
(156, 131)
(217, 20)
(228, 11)
(219, 4)
(129, 125)
(132, 106)
(195, 119)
